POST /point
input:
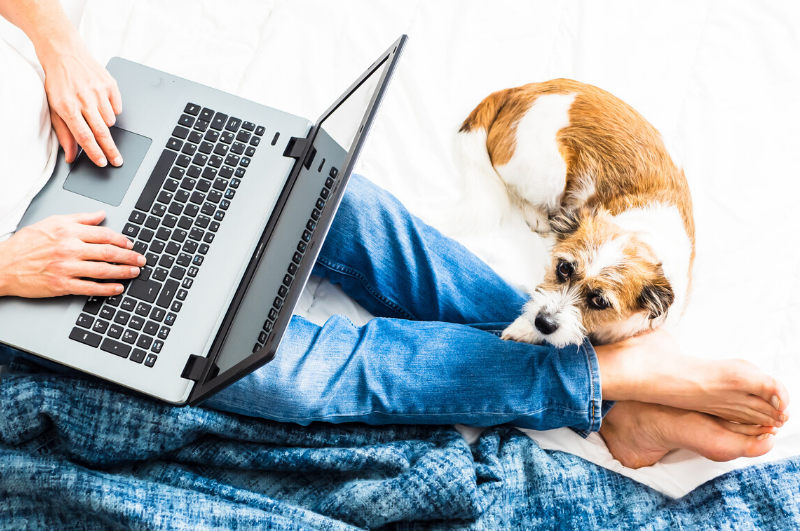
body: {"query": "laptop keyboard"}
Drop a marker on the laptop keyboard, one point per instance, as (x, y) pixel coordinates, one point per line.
(173, 225)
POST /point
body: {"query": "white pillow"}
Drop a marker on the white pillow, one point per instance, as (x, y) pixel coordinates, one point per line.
(28, 145)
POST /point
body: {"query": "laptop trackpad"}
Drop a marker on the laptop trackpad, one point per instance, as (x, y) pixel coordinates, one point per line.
(109, 184)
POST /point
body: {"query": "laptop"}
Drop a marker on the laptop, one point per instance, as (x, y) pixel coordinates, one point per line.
(228, 200)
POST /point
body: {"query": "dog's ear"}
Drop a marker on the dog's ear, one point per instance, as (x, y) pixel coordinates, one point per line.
(657, 294)
(565, 221)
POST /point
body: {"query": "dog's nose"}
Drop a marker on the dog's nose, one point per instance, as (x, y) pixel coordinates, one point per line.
(545, 324)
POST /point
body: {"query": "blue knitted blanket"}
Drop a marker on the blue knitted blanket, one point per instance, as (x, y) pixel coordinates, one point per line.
(78, 454)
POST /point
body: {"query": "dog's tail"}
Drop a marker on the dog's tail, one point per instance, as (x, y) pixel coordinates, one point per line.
(485, 202)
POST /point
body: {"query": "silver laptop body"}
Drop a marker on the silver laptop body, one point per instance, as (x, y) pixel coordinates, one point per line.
(229, 200)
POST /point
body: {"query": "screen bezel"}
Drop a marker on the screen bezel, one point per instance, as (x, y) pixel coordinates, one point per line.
(206, 386)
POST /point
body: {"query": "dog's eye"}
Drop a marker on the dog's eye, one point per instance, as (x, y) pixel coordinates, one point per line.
(564, 270)
(598, 302)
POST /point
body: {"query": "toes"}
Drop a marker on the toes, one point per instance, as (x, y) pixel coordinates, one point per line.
(764, 410)
(774, 392)
(750, 429)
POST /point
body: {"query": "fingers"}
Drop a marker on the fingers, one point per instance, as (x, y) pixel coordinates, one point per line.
(84, 136)
(102, 137)
(85, 218)
(101, 271)
(65, 137)
(115, 98)
(93, 289)
(112, 255)
(102, 235)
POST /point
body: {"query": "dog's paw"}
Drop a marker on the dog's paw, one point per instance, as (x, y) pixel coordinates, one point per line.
(521, 330)
(537, 220)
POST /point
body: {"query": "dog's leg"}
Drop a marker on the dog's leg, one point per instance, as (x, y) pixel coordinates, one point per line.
(537, 219)
(521, 330)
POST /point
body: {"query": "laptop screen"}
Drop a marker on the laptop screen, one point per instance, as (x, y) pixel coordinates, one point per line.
(340, 133)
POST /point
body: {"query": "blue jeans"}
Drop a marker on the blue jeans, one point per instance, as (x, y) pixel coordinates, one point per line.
(432, 355)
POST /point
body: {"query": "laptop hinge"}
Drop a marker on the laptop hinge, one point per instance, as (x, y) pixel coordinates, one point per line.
(195, 366)
(295, 147)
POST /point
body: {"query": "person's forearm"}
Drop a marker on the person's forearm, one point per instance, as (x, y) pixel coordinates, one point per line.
(44, 22)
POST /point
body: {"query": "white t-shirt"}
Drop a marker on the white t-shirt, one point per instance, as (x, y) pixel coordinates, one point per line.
(28, 144)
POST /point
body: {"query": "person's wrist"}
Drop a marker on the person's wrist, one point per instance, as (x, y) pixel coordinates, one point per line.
(5, 285)
(52, 45)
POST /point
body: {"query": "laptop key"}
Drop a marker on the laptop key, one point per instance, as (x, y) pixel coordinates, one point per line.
(137, 356)
(184, 260)
(248, 125)
(93, 305)
(197, 198)
(260, 130)
(151, 359)
(189, 149)
(220, 184)
(203, 220)
(218, 122)
(196, 234)
(151, 328)
(226, 172)
(192, 210)
(221, 149)
(180, 132)
(207, 114)
(174, 143)
(152, 222)
(243, 136)
(181, 295)
(115, 347)
(107, 312)
(163, 333)
(144, 290)
(201, 125)
(215, 161)
(166, 261)
(187, 283)
(185, 222)
(157, 314)
(192, 109)
(175, 208)
(146, 235)
(122, 318)
(232, 160)
(237, 148)
(203, 248)
(167, 293)
(186, 120)
(224, 204)
(157, 346)
(179, 235)
(155, 180)
(170, 319)
(233, 124)
(100, 326)
(115, 331)
(188, 183)
(262, 337)
(136, 322)
(129, 336)
(195, 137)
(128, 304)
(84, 336)
(239, 172)
(255, 141)
(176, 306)
(194, 171)
(159, 209)
(143, 309)
(139, 247)
(211, 136)
(177, 272)
(144, 341)
(173, 248)
(183, 161)
(206, 147)
(214, 226)
(214, 196)
(190, 246)
(137, 217)
(209, 237)
(85, 321)
(160, 274)
(250, 151)
(226, 137)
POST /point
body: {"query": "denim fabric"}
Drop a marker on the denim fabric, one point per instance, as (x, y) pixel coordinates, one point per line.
(79, 454)
(432, 355)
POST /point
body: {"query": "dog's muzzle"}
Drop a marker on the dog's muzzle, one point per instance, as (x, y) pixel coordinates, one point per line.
(545, 324)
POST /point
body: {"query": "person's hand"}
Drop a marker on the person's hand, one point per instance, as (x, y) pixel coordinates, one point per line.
(56, 256)
(84, 101)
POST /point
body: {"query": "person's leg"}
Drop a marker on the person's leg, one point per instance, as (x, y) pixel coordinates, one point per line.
(395, 265)
(400, 371)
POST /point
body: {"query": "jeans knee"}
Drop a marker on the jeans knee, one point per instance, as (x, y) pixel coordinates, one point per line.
(366, 202)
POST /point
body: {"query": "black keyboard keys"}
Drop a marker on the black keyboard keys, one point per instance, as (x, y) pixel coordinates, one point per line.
(146, 291)
(115, 347)
(85, 337)
(168, 292)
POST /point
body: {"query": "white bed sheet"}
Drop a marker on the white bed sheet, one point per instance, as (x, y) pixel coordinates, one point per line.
(719, 80)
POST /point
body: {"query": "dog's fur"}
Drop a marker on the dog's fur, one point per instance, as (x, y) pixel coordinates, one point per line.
(584, 165)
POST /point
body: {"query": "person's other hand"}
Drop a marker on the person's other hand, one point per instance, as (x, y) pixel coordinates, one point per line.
(56, 256)
(84, 101)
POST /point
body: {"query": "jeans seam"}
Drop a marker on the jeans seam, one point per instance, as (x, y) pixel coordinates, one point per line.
(366, 413)
(363, 279)
(591, 387)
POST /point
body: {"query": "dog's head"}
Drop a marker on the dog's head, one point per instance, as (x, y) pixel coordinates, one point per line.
(603, 282)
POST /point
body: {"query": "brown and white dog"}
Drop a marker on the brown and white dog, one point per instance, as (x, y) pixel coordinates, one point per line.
(584, 165)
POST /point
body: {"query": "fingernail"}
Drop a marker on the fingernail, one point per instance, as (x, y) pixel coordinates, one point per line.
(776, 402)
(129, 245)
(135, 271)
(141, 260)
(778, 424)
(783, 418)
(118, 289)
(763, 436)
(117, 161)
(103, 162)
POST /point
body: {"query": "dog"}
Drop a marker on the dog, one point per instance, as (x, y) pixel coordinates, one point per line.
(589, 170)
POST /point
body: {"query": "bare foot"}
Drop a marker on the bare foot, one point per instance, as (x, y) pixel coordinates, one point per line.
(651, 368)
(639, 434)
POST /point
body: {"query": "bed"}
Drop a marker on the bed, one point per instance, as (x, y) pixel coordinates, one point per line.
(719, 80)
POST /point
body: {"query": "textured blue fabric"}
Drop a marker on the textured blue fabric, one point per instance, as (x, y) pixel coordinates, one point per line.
(78, 454)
